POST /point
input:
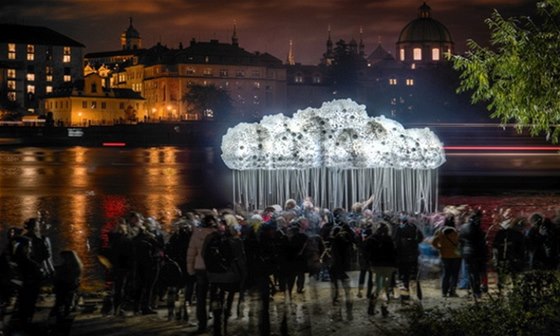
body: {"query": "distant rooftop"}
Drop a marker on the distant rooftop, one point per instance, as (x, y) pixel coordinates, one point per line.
(14, 33)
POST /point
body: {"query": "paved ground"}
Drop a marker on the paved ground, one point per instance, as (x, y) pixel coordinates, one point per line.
(303, 317)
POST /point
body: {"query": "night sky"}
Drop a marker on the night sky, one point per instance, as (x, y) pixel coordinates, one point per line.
(262, 25)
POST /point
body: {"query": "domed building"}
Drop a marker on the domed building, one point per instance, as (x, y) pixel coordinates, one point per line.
(130, 38)
(424, 40)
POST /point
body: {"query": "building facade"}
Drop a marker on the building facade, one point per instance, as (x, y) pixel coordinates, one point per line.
(34, 61)
(88, 102)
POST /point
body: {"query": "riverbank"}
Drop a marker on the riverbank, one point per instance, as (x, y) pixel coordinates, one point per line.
(184, 133)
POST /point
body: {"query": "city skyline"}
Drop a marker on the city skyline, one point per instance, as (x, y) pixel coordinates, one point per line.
(265, 27)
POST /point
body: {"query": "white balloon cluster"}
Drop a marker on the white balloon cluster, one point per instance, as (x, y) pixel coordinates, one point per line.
(340, 134)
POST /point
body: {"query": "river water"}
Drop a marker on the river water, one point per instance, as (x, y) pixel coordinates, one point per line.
(85, 189)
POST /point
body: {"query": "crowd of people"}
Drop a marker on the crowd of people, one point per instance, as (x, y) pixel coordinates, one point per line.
(217, 259)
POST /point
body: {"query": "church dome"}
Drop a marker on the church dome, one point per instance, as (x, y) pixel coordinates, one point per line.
(425, 29)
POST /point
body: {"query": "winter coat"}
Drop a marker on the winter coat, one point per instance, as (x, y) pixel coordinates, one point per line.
(313, 251)
(472, 241)
(120, 251)
(380, 251)
(407, 238)
(195, 262)
(295, 258)
(342, 243)
(509, 245)
(446, 241)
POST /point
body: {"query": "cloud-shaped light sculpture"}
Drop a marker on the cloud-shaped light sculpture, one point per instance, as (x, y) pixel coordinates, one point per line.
(337, 154)
(340, 134)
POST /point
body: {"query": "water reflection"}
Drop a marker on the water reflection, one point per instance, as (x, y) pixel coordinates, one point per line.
(86, 189)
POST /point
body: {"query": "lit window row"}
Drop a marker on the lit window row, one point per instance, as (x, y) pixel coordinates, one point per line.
(408, 81)
(417, 54)
(30, 53)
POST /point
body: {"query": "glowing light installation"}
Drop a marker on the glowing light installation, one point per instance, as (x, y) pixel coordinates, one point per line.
(336, 154)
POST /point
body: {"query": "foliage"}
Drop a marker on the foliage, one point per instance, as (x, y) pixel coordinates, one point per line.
(201, 98)
(531, 308)
(519, 74)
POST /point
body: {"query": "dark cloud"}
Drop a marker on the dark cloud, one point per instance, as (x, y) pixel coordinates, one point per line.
(262, 25)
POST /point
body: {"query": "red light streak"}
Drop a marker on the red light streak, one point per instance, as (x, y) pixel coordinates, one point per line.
(114, 144)
(501, 148)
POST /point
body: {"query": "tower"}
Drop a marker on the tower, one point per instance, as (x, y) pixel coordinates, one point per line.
(291, 60)
(130, 38)
(328, 56)
(234, 39)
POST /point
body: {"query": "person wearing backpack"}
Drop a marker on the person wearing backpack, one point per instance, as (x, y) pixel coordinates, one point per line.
(224, 257)
(197, 267)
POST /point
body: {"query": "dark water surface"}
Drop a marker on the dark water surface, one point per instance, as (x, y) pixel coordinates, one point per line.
(86, 189)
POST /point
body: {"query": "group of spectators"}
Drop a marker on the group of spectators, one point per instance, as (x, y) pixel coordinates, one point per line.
(508, 246)
(26, 265)
(216, 259)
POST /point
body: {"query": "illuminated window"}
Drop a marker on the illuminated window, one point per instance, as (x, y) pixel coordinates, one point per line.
(66, 57)
(12, 96)
(257, 85)
(413, 66)
(435, 54)
(30, 52)
(94, 104)
(67, 78)
(190, 71)
(223, 73)
(316, 79)
(31, 89)
(298, 78)
(30, 77)
(48, 71)
(11, 51)
(207, 72)
(417, 54)
(409, 82)
(11, 73)
(48, 89)
(11, 85)
(392, 81)
(84, 104)
(402, 54)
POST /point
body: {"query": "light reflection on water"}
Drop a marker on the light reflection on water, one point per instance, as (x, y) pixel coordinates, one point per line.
(86, 189)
